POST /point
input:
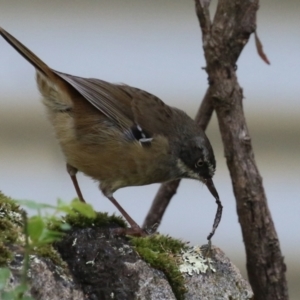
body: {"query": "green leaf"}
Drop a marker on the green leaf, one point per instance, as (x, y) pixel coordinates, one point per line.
(20, 289)
(34, 205)
(4, 276)
(65, 226)
(64, 207)
(16, 294)
(60, 202)
(36, 227)
(27, 298)
(8, 295)
(50, 236)
(83, 208)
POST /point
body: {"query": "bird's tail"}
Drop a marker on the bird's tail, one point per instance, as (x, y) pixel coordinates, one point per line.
(49, 83)
(26, 53)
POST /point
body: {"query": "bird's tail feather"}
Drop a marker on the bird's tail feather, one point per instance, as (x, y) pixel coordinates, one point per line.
(26, 53)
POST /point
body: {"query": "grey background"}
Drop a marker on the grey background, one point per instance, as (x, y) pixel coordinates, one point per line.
(156, 46)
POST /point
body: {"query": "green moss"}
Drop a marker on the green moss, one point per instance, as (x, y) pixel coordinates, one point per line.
(5, 255)
(7, 204)
(101, 220)
(161, 253)
(11, 232)
(47, 251)
(10, 227)
(8, 231)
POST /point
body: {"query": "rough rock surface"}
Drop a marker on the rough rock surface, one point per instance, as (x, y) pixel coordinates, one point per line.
(47, 281)
(224, 283)
(105, 267)
(100, 265)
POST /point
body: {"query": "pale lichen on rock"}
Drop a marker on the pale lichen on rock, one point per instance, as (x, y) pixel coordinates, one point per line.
(194, 261)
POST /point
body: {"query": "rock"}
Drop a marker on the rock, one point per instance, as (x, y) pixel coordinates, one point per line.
(90, 262)
(224, 281)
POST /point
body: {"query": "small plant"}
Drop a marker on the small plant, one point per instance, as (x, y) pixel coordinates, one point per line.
(39, 232)
(39, 226)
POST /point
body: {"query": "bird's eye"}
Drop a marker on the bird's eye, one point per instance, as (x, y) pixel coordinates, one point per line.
(199, 163)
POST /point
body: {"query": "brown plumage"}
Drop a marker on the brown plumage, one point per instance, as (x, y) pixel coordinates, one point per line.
(120, 135)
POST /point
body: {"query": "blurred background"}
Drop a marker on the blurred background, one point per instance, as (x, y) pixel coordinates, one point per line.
(156, 46)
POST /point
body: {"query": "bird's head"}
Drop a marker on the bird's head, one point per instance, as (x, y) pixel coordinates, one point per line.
(196, 159)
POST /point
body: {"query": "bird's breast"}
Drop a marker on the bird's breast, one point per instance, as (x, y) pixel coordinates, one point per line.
(116, 162)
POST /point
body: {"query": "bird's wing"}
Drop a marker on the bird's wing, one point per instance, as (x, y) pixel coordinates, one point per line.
(128, 107)
(152, 114)
(131, 109)
(112, 101)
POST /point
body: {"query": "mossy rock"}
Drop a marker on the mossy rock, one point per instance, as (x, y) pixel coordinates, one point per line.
(162, 252)
(12, 234)
(101, 220)
(11, 227)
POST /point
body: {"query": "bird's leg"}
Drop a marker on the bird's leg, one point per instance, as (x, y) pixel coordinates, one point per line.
(135, 228)
(72, 172)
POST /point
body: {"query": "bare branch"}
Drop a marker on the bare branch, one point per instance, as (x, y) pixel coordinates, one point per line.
(223, 41)
(234, 21)
(205, 111)
(159, 205)
(202, 11)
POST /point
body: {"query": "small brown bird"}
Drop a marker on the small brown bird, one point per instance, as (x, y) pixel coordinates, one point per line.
(120, 135)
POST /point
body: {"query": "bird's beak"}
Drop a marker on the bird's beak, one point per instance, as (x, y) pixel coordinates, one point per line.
(211, 187)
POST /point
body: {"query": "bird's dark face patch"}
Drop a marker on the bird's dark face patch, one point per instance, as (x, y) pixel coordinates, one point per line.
(198, 159)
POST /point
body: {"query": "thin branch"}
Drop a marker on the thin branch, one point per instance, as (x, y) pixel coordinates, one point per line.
(205, 111)
(202, 11)
(159, 205)
(233, 23)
